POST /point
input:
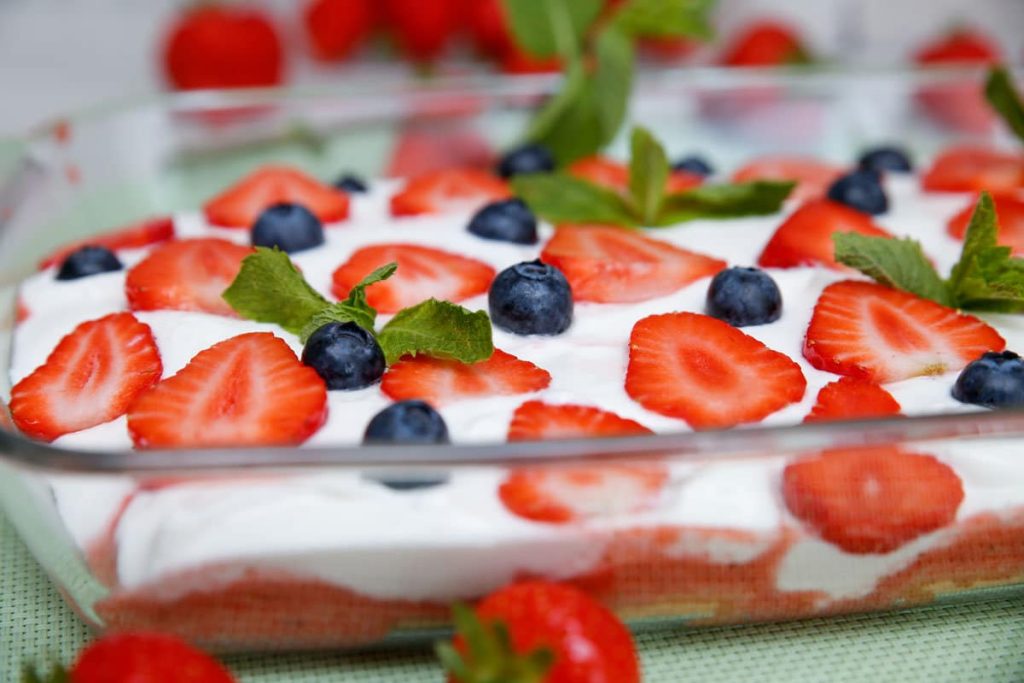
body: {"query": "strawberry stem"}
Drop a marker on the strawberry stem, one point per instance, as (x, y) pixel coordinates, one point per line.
(490, 656)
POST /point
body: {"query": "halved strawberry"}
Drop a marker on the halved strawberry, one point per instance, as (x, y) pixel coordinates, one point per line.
(812, 176)
(613, 265)
(241, 204)
(91, 377)
(423, 272)
(706, 372)
(186, 275)
(872, 500)
(973, 169)
(445, 381)
(614, 175)
(134, 236)
(867, 330)
(805, 238)
(1009, 212)
(851, 398)
(538, 420)
(453, 189)
(248, 390)
(567, 494)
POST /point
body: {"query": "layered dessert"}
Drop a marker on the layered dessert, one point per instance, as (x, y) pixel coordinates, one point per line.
(172, 334)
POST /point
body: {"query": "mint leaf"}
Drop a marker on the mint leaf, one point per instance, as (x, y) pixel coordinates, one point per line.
(548, 28)
(546, 120)
(756, 198)
(1004, 98)
(439, 329)
(560, 198)
(666, 18)
(353, 309)
(611, 82)
(648, 173)
(269, 289)
(987, 278)
(896, 263)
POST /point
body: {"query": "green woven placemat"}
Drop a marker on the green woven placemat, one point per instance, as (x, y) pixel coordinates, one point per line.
(974, 643)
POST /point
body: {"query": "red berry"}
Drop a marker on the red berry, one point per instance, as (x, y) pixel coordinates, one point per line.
(539, 420)
(488, 27)
(765, 43)
(336, 28)
(453, 189)
(805, 238)
(973, 169)
(615, 175)
(241, 204)
(146, 658)
(851, 398)
(445, 381)
(962, 46)
(422, 29)
(134, 236)
(812, 176)
(1010, 213)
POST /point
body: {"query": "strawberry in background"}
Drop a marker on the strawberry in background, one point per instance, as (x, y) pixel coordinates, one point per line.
(337, 28)
(490, 34)
(423, 29)
(765, 43)
(960, 106)
(223, 46)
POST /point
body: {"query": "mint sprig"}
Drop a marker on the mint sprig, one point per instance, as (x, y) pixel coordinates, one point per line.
(439, 329)
(1004, 98)
(353, 309)
(986, 278)
(270, 289)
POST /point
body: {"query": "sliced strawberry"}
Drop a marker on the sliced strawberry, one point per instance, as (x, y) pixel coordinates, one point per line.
(91, 377)
(813, 177)
(805, 238)
(705, 371)
(423, 272)
(614, 265)
(603, 171)
(1009, 212)
(867, 330)
(186, 275)
(453, 189)
(248, 390)
(445, 381)
(538, 420)
(851, 398)
(567, 494)
(241, 204)
(431, 148)
(134, 236)
(973, 169)
(872, 500)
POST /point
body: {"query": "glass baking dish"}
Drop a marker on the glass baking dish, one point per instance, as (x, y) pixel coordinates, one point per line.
(107, 526)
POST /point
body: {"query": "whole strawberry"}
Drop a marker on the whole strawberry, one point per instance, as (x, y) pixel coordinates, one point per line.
(214, 46)
(336, 28)
(539, 632)
(423, 30)
(765, 43)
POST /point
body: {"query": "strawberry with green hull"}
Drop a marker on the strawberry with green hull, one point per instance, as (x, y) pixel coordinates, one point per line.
(240, 205)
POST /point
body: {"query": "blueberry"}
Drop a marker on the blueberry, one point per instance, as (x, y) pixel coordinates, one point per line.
(531, 298)
(345, 355)
(509, 220)
(744, 296)
(349, 182)
(289, 227)
(861, 190)
(996, 380)
(408, 481)
(529, 158)
(882, 159)
(693, 164)
(407, 422)
(86, 261)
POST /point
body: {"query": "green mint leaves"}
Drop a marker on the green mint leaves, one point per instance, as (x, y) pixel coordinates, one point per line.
(268, 288)
(986, 278)
(1004, 98)
(560, 198)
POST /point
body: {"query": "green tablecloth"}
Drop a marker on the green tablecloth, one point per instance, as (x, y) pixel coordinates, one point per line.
(974, 643)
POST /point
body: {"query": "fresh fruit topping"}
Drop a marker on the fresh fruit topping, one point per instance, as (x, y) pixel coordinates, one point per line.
(534, 631)
(186, 275)
(407, 422)
(439, 382)
(423, 272)
(88, 260)
(871, 500)
(615, 175)
(972, 169)
(612, 265)
(706, 372)
(240, 205)
(812, 176)
(345, 356)
(428, 148)
(488, 27)
(531, 298)
(289, 227)
(805, 238)
(695, 164)
(962, 46)
(536, 420)
(91, 377)
(996, 380)
(336, 28)
(529, 158)
(1010, 215)
(223, 46)
(248, 390)
(507, 220)
(885, 160)
(744, 296)
(559, 495)
(423, 30)
(867, 330)
(456, 189)
(351, 183)
(860, 190)
(518, 62)
(765, 43)
(850, 398)
(134, 236)
(145, 658)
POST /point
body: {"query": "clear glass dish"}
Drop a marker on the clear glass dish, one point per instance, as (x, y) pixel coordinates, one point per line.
(110, 166)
